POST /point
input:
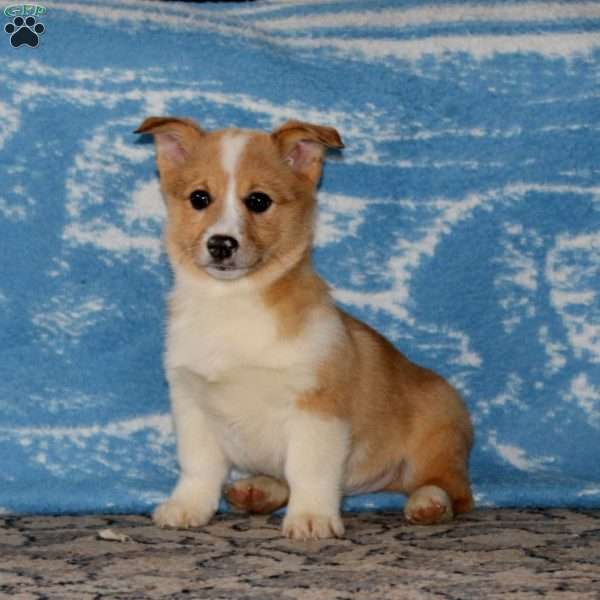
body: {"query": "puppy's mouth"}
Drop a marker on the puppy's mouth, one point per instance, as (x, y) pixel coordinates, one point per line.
(226, 271)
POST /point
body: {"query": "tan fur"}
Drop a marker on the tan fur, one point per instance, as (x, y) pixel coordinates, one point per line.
(414, 426)
(409, 430)
(293, 295)
(259, 495)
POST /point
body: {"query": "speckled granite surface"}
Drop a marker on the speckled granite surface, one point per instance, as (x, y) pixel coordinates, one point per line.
(487, 554)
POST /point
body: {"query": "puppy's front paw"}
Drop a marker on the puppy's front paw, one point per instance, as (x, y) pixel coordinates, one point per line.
(308, 526)
(180, 515)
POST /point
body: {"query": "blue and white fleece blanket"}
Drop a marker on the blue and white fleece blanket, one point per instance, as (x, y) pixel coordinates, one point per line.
(473, 154)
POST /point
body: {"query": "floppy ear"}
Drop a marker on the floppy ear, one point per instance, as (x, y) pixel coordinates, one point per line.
(174, 138)
(303, 145)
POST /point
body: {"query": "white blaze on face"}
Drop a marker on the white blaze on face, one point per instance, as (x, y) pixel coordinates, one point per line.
(229, 223)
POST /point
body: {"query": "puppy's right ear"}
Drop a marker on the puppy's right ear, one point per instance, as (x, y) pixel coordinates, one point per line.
(174, 138)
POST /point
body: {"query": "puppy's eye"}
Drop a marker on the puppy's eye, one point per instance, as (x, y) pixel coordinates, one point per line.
(200, 199)
(258, 202)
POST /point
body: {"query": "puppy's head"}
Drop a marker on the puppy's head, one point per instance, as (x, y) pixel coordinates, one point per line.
(239, 202)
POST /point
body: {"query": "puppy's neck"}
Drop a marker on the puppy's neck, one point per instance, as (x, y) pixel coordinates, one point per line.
(295, 295)
(290, 294)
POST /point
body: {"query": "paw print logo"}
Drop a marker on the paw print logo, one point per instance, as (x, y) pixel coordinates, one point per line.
(24, 31)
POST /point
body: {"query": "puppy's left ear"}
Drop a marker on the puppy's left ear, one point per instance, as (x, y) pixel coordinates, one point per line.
(303, 145)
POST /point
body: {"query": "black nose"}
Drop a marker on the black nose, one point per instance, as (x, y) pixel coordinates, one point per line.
(221, 247)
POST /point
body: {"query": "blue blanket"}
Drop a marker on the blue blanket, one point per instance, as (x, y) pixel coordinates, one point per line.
(462, 220)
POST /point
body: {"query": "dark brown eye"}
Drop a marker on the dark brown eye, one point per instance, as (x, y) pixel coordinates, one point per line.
(258, 202)
(200, 199)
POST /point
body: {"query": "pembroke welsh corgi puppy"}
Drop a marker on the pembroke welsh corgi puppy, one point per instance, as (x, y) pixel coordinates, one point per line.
(266, 374)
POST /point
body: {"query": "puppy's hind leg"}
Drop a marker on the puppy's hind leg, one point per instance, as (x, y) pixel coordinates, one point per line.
(258, 495)
(436, 479)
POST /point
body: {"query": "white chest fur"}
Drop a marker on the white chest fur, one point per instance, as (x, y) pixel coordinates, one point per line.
(246, 375)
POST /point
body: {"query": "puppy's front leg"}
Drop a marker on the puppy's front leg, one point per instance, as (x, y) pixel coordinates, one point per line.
(317, 452)
(203, 465)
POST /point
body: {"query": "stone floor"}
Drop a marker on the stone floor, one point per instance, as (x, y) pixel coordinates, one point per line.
(487, 554)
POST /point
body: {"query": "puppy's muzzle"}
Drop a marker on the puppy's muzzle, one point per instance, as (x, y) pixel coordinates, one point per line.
(221, 247)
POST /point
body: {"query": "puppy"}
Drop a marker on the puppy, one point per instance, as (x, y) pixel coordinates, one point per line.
(266, 374)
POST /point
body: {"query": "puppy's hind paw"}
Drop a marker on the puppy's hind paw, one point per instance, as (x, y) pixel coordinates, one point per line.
(258, 495)
(179, 515)
(428, 505)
